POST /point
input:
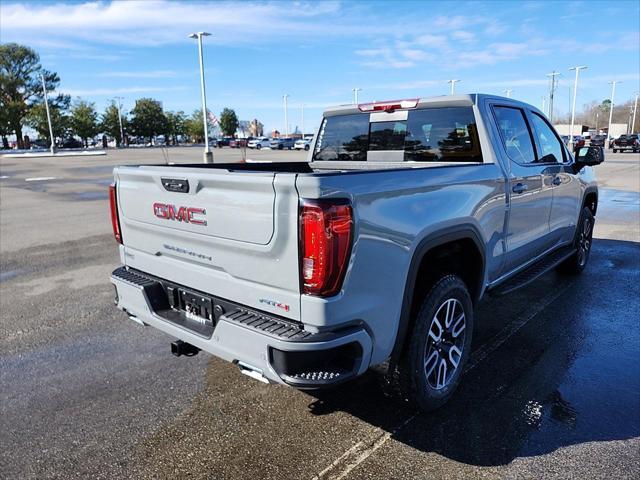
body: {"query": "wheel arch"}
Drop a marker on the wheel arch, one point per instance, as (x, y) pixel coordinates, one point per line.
(430, 246)
(590, 199)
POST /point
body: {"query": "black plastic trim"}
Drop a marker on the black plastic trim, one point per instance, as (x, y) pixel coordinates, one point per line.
(441, 237)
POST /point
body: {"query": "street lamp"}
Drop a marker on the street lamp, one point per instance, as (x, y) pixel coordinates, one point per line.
(635, 109)
(613, 92)
(302, 108)
(46, 105)
(286, 116)
(119, 99)
(552, 89)
(453, 82)
(355, 95)
(573, 107)
(208, 155)
(508, 91)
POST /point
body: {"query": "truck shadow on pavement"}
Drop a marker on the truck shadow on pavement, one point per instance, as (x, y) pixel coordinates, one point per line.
(570, 375)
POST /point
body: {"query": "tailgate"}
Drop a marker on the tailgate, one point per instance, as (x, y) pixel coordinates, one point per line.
(229, 233)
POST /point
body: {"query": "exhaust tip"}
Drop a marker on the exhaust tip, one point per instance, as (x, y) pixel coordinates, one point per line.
(179, 348)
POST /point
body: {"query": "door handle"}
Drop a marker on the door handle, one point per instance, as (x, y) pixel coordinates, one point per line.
(520, 188)
(557, 181)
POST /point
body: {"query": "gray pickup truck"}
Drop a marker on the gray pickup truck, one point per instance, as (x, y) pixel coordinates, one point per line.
(374, 251)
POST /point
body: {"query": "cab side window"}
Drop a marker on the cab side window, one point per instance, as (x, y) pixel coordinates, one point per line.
(515, 134)
(550, 146)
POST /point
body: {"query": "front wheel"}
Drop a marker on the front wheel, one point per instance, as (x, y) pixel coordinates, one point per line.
(258, 146)
(584, 238)
(439, 345)
(306, 148)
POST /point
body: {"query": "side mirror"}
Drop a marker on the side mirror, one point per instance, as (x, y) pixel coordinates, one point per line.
(590, 156)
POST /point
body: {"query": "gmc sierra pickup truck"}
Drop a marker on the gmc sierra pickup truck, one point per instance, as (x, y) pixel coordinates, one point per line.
(374, 251)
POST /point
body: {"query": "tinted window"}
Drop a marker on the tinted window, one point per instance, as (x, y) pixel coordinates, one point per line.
(343, 137)
(549, 143)
(429, 135)
(442, 135)
(387, 135)
(515, 134)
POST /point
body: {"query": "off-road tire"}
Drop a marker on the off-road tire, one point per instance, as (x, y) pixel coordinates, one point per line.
(413, 373)
(577, 262)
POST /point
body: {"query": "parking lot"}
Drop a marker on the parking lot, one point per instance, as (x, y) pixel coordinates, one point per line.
(551, 389)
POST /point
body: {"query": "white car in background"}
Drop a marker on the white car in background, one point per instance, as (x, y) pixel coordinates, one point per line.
(303, 143)
(258, 143)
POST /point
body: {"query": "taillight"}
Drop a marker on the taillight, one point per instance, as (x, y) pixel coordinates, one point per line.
(115, 222)
(326, 230)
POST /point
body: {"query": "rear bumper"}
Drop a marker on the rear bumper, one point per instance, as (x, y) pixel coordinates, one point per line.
(276, 349)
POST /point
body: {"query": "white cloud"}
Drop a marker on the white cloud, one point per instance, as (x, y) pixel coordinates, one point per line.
(106, 92)
(141, 74)
(160, 22)
(463, 36)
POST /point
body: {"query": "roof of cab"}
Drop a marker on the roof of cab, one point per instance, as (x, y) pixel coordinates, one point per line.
(465, 100)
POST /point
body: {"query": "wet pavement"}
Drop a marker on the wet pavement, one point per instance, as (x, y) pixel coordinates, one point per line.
(551, 389)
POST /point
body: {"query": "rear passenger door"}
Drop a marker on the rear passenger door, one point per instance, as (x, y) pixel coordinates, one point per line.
(529, 189)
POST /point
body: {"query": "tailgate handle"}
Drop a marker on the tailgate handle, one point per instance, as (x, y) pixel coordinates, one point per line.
(180, 185)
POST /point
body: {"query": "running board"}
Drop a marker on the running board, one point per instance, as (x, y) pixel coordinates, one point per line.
(531, 273)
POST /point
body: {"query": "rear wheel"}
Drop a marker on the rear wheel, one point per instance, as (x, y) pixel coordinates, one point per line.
(306, 148)
(258, 146)
(584, 238)
(439, 345)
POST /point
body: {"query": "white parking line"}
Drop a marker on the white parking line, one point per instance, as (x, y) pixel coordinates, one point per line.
(38, 179)
(358, 453)
(2, 177)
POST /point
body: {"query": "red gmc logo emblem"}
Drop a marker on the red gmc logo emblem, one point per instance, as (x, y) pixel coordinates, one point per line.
(180, 214)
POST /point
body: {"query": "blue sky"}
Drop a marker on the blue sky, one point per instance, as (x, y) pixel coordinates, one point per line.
(318, 51)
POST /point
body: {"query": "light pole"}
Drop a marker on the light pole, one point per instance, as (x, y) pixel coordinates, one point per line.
(208, 155)
(613, 93)
(302, 109)
(635, 109)
(597, 115)
(452, 83)
(286, 116)
(543, 98)
(573, 107)
(119, 99)
(46, 105)
(507, 92)
(355, 95)
(552, 89)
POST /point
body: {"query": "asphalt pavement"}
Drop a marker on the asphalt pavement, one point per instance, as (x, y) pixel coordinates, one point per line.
(551, 390)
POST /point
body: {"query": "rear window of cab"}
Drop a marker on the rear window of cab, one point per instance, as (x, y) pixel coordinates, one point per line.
(447, 134)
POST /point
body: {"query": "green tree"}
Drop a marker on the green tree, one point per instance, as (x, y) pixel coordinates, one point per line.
(176, 125)
(228, 122)
(37, 119)
(84, 120)
(194, 126)
(110, 123)
(148, 119)
(21, 86)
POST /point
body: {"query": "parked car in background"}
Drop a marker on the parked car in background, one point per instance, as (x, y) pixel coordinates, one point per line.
(303, 143)
(260, 142)
(626, 142)
(239, 142)
(71, 142)
(223, 142)
(282, 143)
(598, 140)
